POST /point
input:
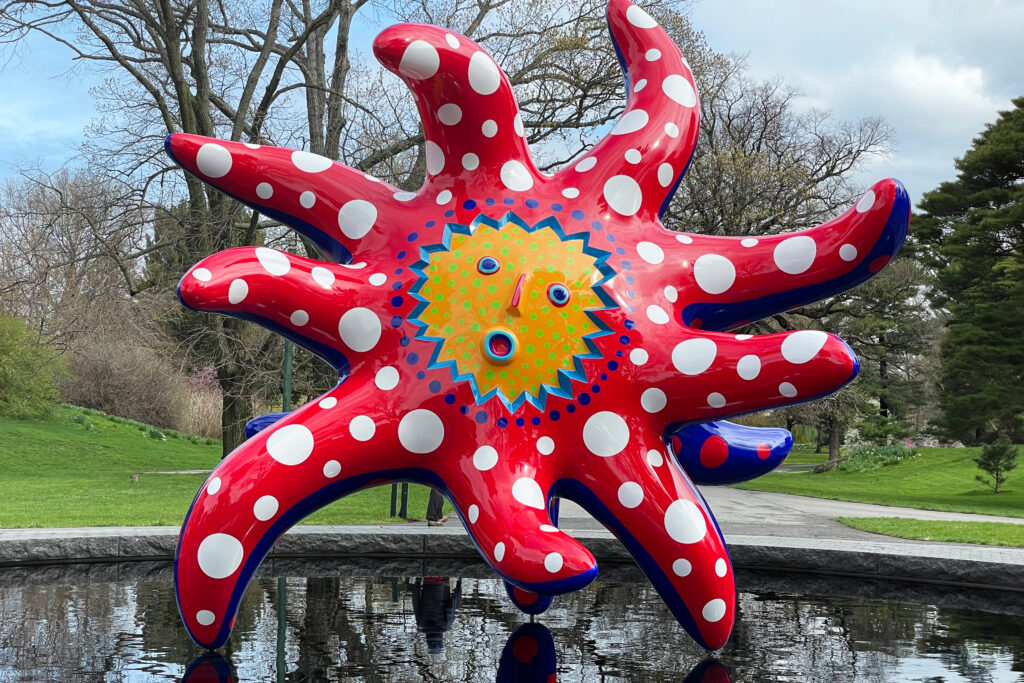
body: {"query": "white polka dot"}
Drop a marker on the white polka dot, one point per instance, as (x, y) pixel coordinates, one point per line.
(570, 193)
(291, 444)
(443, 197)
(545, 445)
(640, 85)
(653, 400)
(499, 551)
(527, 491)
(650, 252)
(299, 318)
(322, 276)
(671, 294)
(420, 60)
(213, 486)
(633, 156)
(623, 195)
(638, 356)
(743, 337)
(515, 176)
(800, 347)
(372, 179)
(328, 403)
(787, 390)
(219, 555)
(748, 367)
(553, 562)
(489, 128)
(605, 434)
(866, 202)
(405, 196)
(362, 428)
(655, 458)
(450, 114)
(202, 274)
(640, 18)
(386, 378)
(631, 494)
(485, 458)
(517, 125)
(714, 610)
(237, 291)
(360, 329)
(666, 175)
(631, 122)
(795, 255)
(420, 431)
(470, 161)
(307, 199)
(251, 145)
(684, 522)
(377, 279)
(721, 567)
(682, 567)
(847, 252)
(205, 617)
(473, 513)
(694, 356)
(684, 239)
(265, 508)
(484, 76)
(435, 158)
(264, 191)
(716, 400)
(547, 528)
(671, 130)
(714, 273)
(748, 242)
(273, 261)
(586, 164)
(357, 217)
(213, 160)
(679, 90)
(452, 41)
(308, 162)
(657, 315)
(653, 55)
(332, 468)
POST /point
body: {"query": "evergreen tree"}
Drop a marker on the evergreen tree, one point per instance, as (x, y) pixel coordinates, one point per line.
(997, 458)
(973, 237)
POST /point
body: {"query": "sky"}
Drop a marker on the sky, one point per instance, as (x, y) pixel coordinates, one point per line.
(936, 70)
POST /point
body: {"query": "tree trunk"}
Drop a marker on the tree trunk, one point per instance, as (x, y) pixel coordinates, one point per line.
(818, 443)
(833, 443)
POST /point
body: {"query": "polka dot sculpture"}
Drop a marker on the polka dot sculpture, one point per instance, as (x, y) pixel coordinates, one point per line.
(513, 337)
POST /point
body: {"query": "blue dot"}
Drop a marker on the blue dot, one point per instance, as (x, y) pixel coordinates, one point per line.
(577, 214)
(509, 201)
(396, 286)
(571, 408)
(611, 237)
(413, 236)
(618, 354)
(420, 374)
(629, 293)
(626, 265)
(449, 213)
(612, 365)
(532, 203)
(624, 339)
(449, 399)
(413, 358)
(596, 388)
(554, 415)
(630, 309)
(430, 224)
(596, 225)
(464, 410)
(556, 207)
(481, 417)
(398, 271)
(397, 301)
(630, 279)
(396, 321)
(489, 201)
(502, 422)
(604, 378)
(629, 324)
(584, 399)
(520, 422)
(535, 421)
(469, 204)
(404, 341)
(400, 255)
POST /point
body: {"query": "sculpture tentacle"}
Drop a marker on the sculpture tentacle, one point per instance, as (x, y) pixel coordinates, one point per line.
(726, 453)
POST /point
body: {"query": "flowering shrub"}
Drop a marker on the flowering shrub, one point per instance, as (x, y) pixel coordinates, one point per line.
(864, 458)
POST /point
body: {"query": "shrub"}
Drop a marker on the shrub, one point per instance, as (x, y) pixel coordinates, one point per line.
(865, 458)
(997, 458)
(28, 371)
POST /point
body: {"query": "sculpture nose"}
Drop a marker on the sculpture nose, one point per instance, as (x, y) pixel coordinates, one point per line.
(517, 293)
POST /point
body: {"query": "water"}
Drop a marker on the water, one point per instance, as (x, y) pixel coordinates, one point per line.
(119, 623)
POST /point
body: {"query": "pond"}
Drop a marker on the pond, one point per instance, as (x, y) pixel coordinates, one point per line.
(450, 621)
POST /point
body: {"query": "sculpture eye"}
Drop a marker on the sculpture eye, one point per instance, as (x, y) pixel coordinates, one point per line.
(559, 294)
(488, 265)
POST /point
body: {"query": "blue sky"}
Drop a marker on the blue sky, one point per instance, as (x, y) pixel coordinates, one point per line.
(937, 70)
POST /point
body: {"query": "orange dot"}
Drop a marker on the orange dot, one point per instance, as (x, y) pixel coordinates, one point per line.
(714, 452)
(764, 451)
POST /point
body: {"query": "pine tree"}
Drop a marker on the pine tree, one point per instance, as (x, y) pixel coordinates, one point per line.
(973, 237)
(997, 458)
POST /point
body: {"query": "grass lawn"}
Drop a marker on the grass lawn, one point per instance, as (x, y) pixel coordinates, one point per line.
(803, 454)
(75, 468)
(986, 533)
(936, 479)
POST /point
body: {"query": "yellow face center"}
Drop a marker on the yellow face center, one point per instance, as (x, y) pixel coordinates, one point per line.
(510, 306)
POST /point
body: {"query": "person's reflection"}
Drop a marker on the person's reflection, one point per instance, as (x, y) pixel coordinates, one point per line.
(210, 667)
(434, 603)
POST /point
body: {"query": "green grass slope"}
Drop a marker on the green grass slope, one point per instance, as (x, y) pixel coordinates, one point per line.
(75, 469)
